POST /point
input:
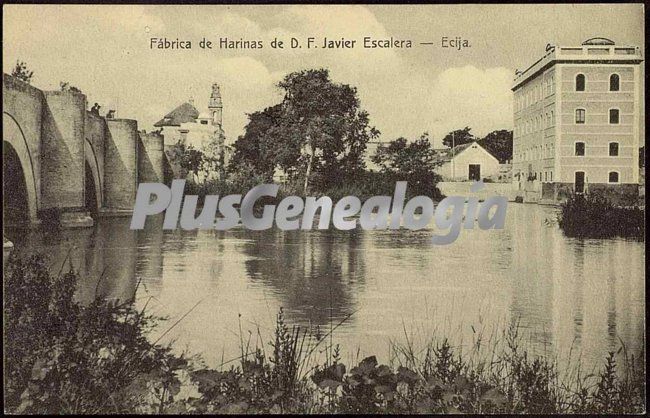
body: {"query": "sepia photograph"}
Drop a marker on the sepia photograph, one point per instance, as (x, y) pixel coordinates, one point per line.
(324, 209)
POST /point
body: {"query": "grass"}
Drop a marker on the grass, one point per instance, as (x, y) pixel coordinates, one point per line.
(62, 357)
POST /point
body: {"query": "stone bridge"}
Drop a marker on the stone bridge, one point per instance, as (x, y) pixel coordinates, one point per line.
(64, 163)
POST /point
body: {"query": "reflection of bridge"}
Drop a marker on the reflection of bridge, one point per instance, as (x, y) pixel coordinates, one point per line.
(60, 159)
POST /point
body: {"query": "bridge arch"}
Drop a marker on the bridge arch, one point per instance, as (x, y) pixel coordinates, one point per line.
(18, 166)
(93, 176)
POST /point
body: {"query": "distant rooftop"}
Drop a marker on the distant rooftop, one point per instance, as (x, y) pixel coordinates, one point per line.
(601, 50)
(599, 41)
(447, 154)
(183, 113)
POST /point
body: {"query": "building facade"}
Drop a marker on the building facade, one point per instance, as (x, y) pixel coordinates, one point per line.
(468, 162)
(201, 130)
(576, 121)
(185, 124)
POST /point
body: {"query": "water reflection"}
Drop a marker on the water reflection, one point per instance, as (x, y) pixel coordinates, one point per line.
(314, 274)
(565, 294)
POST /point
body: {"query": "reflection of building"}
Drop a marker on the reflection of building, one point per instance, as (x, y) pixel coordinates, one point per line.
(467, 162)
(576, 114)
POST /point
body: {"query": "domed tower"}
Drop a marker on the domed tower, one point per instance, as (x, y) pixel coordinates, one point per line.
(215, 106)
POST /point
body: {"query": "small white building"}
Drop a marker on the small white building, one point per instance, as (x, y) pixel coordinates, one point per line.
(467, 162)
(186, 125)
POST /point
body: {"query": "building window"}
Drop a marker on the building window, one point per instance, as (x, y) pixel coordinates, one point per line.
(551, 176)
(614, 82)
(613, 149)
(613, 116)
(579, 149)
(580, 82)
(613, 177)
(552, 84)
(580, 116)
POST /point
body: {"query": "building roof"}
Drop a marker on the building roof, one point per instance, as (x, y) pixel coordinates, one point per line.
(593, 50)
(183, 113)
(448, 154)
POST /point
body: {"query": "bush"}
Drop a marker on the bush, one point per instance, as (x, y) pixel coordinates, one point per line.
(62, 357)
(593, 216)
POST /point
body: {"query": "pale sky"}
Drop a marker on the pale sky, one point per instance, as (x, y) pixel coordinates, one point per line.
(105, 51)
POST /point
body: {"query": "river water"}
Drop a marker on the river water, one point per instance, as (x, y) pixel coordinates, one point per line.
(567, 295)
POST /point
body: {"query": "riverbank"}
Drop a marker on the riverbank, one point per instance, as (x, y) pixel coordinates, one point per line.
(63, 357)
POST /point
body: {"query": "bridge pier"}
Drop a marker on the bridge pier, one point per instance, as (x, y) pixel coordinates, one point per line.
(63, 186)
(151, 158)
(120, 166)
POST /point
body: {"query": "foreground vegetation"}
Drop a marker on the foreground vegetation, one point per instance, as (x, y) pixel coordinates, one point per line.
(593, 216)
(62, 357)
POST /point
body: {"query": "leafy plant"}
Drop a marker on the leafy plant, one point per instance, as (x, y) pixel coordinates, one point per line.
(63, 357)
(22, 72)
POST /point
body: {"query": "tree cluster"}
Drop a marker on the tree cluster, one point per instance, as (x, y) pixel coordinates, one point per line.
(413, 162)
(317, 135)
(497, 143)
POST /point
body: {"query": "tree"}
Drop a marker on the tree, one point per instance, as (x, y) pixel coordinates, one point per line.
(317, 134)
(414, 162)
(189, 159)
(22, 73)
(213, 156)
(65, 86)
(324, 120)
(458, 137)
(258, 148)
(499, 144)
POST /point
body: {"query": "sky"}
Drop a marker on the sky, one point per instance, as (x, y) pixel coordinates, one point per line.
(105, 51)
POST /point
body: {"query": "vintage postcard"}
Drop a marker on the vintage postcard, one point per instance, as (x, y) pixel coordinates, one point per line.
(324, 209)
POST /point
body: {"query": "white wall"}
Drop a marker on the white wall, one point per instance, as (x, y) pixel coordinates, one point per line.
(450, 188)
(472, 155)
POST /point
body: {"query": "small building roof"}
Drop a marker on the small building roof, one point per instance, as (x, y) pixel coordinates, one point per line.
(183, 113)
(448, 154)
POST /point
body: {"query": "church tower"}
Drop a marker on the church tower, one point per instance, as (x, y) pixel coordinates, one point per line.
(215, 106)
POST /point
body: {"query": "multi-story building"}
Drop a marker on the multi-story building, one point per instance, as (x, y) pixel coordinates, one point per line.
(576, 121)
